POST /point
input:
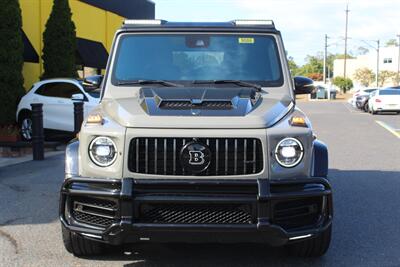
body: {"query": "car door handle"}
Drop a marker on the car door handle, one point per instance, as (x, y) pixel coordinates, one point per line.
(60, 102)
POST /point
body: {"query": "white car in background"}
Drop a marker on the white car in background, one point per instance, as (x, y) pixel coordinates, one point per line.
(57, 97)
(360, 92)
(387, 99)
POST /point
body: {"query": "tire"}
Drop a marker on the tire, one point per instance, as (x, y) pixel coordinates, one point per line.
(80, 246)
(315, 247)
(366, 108)
(25, 124)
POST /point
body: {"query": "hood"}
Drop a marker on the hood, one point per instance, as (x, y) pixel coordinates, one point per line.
(199, 108)
(198, 101)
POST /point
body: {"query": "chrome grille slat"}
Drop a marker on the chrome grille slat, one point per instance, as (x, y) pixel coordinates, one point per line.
(245, 156)
(147, 155)
(229, 156)
(165, 156)
(155, 154)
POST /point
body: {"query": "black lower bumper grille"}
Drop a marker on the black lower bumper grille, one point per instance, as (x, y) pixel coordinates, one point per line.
(92, 219)
(94, 211)
(195, 214)
(297, 213)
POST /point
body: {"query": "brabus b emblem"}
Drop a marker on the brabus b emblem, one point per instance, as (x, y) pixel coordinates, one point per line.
(196, 158)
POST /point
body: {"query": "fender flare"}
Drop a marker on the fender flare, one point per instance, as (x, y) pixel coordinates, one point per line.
(72, 158)
(320, 159)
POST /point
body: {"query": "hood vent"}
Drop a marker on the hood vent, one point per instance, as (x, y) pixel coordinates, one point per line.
(197, 101)
(212, 105)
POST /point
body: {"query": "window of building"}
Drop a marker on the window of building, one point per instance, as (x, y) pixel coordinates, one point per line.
(387, 60)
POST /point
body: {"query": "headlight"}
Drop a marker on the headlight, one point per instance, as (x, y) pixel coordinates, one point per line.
(289, 152)
(103, 151)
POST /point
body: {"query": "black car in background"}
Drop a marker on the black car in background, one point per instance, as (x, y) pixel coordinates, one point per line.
(362, 100)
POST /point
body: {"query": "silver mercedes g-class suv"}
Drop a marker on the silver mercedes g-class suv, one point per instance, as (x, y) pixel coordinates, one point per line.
(197, 139)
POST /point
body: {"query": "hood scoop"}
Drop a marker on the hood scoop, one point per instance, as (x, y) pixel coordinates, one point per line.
(198, 101)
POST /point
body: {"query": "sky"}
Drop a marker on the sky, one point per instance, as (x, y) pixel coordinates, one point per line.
(303, 23)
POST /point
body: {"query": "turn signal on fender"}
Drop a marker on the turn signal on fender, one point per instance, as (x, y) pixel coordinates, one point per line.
(95, 119)
(298, 121)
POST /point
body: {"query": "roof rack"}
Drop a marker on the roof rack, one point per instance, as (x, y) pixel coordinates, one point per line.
(248, 22)
(144, 22)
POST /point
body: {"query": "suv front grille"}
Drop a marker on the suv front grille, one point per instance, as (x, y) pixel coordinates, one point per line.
(196, 213)
(229, 156)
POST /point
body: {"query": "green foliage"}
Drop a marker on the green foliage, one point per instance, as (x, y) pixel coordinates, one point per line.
(59, 40)
(391, 42)
(385, 76)
(365, 76)
(344, 84)
(292, 66)
(11, 60)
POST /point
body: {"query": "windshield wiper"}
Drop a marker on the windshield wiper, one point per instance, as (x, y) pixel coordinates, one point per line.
(142, 82)
(237, 82)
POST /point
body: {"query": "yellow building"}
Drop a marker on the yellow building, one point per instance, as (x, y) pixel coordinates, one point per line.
(95, 20)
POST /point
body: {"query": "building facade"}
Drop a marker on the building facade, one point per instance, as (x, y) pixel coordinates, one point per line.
(96, 22)
(388, 60)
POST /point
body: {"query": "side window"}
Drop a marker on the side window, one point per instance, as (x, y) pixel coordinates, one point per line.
(63, 90)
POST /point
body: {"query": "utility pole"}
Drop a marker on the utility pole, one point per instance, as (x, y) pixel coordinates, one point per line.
(345, 40)
(398, 63)
(377, 62)
(325, 57)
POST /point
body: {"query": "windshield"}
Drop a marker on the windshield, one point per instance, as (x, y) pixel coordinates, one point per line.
(389, 92)
(189, 58)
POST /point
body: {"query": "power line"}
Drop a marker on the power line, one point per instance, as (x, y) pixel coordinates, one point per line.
(345, 40)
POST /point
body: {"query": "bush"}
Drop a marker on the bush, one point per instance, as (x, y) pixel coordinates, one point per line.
(344, 84)
(11, 60)
(59, 39)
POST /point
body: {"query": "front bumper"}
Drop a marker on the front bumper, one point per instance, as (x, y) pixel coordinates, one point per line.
(272, 212)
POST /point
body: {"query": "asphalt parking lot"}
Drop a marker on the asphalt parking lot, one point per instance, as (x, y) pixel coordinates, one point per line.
(364, 170)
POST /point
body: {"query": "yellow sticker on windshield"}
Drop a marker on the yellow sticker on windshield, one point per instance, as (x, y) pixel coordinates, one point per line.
(246, 40)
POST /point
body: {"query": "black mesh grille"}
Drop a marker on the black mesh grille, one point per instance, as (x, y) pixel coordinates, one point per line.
(94, 211)
(229, 156)
(92, 219)
(195, 214)
(177, 105)
(297, 213)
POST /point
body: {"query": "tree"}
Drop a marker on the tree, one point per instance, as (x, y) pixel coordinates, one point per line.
(365, 76)
(344, 84)
(386, 75)
(59, 39)
(391, 42)
(11, 60)
(292, 66)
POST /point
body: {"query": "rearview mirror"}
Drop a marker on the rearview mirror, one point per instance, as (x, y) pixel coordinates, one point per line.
(93, 82)
(78, 97)
(303, 85)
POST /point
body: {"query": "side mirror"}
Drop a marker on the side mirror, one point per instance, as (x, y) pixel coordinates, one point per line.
(78, 97)
(303, 85)
(93, 82)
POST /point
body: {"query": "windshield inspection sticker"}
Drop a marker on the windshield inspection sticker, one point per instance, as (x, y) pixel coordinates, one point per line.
(246, 40)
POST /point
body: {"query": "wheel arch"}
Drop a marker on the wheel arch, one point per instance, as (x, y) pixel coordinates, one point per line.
(320, 159)
(22, 112)
(72, 158)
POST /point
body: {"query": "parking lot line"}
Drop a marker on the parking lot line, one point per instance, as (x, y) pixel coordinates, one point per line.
(389, 128)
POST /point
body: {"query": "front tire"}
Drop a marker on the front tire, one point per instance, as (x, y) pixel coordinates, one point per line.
(315, 247)
(25, 124)
(80, 246)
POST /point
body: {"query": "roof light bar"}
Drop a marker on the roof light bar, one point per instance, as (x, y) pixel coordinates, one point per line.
(143, 22)
(244, 22)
